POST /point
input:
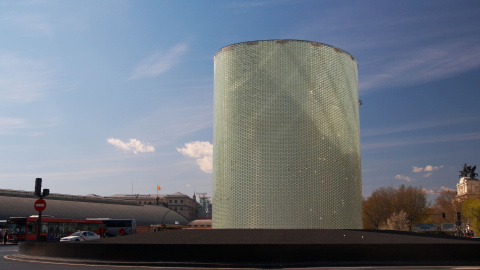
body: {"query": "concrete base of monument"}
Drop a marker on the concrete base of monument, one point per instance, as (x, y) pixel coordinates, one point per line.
(262, 248)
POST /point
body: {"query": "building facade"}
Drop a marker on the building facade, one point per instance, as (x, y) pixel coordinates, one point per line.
(178, 202)
(286, 137)
(150, 199)
(183, 205)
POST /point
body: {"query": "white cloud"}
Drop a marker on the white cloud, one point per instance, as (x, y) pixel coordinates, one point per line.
(445, 189)
(429, 191)
(202, 151)
(431, 168)
(428, 169)
(403, 177)
(417, 169)
(159, 62)
(133, 145)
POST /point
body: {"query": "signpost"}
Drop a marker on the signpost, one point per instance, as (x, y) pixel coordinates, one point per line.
(40, 204)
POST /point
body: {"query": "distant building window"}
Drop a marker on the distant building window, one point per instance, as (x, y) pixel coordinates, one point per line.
(175, 201)
(181, 208)
(181, 201)
(170, 201)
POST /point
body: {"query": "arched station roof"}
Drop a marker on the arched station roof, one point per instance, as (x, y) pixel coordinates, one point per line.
(12, 205)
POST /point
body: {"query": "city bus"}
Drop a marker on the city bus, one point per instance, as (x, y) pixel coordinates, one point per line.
(52, 229)
(117, 227)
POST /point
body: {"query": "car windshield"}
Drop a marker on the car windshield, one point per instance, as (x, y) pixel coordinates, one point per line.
(76, 234)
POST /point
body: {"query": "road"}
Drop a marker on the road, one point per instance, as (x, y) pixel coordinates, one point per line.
(8, 264)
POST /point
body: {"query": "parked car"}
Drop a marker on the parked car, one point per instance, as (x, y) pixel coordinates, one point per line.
(80, 236)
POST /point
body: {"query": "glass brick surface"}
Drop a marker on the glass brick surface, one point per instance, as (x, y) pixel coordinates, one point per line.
(286, 137)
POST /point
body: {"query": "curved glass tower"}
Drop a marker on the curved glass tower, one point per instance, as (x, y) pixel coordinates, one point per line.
(286, 137)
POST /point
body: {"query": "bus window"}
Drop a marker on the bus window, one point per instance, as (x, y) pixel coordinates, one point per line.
(71, 227)
(44, 227)
(52, 227)
(61, 228)
(83, 227)
(16, 228)
(94, 227)
(31, 227)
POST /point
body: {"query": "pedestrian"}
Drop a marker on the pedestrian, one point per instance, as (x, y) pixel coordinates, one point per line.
(5, 237)
(2, 233)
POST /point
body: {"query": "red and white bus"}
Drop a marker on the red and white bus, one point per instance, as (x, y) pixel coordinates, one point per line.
(51, 229)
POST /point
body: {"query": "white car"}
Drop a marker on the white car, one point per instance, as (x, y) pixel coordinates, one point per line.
(80, 236)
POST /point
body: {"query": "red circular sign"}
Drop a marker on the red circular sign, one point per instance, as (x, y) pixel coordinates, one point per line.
(40, 205)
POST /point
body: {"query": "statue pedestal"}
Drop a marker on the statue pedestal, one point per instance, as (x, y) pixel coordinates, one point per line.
(468, 186)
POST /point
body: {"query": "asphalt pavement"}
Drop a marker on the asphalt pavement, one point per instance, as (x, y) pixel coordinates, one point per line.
(7, 263)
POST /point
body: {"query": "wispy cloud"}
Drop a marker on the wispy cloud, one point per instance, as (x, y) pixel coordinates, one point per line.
(159, 62)
(25, 127)
(259, 3)
(437, 61)
(418, 125)
(202, 151)
(9, 125)
(441, 190)
(23, 79)
(33, 23)
(423, 140)
(133, 145)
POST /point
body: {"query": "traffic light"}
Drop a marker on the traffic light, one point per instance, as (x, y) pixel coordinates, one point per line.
(443, 214)
(46, 192)
(459, 215)
(38, 187)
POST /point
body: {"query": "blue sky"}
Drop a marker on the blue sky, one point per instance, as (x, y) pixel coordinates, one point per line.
(115, 97)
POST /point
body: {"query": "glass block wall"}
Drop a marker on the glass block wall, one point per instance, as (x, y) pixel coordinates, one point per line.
(286, 137)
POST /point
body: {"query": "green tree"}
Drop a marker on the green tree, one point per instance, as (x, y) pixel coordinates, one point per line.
(471, 212)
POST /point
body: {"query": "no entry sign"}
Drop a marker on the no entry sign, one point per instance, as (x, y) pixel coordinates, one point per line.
(40, 205)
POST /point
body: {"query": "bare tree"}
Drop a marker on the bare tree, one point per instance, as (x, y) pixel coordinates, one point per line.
(445, 204)
(386, 201)
(413, 201)
(378, 207)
